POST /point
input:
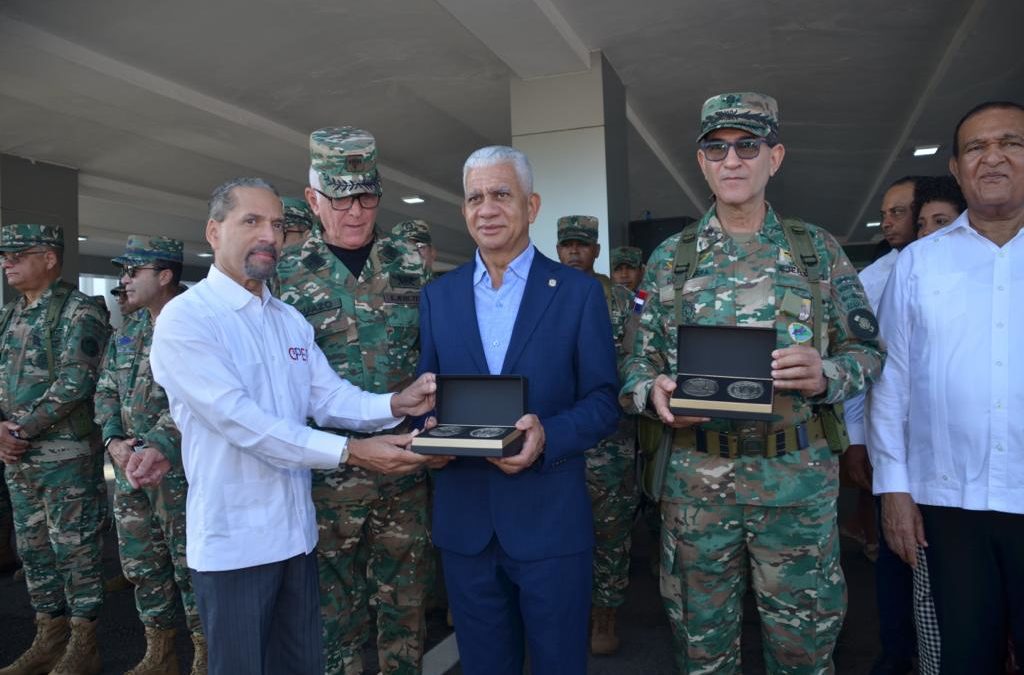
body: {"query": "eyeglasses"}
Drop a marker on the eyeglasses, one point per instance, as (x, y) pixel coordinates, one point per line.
(746, 148)
(367, 200)
(14, 257)
(131, 270)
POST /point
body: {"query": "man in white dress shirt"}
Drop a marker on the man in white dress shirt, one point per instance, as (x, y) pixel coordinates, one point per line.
(243, 374)
(955, 377)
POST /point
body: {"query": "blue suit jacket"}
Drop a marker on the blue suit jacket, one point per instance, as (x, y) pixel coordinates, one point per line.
(562, 344)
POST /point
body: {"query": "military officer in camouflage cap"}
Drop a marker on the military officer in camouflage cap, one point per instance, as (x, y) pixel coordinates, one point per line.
(627, 264)
(298, 221)
(359, 288)
(611, 478)
(51, 340)
(417, 232)
(134, 418)
(740, 494)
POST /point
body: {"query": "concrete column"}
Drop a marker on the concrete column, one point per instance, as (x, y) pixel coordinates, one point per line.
(37, 192)
(573, 129)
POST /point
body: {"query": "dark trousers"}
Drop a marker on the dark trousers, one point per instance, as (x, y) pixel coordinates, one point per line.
(497, 602)
(976, 565)
(262, 620)
(894, 592)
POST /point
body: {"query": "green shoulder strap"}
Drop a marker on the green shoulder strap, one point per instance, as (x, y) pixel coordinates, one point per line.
(806, 258)
(685, 264)
(61, 293)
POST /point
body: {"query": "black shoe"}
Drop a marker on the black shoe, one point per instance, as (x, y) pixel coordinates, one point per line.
(889, 665)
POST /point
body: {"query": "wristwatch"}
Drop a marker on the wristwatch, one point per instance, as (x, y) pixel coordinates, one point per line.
(108, 441)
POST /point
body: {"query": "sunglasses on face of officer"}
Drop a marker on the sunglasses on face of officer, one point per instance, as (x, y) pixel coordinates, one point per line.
(131, 270)
(14, 257)
(746, 148)
(367, 200)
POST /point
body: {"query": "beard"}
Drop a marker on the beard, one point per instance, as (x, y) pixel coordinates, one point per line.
(261, 269)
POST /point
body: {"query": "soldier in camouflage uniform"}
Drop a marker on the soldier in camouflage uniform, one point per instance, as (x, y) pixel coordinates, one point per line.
(299, 221)
(133, 414)
(741, 495)
(51, 342)
(611, 466)
(360, 291)
(627, 263)
(417, 233)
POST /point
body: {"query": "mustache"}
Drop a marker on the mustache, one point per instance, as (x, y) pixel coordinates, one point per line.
(263, 248)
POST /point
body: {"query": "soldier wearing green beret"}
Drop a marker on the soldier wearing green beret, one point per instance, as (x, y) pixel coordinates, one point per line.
(359, 288)
(627, 266)
(611, 478)
(51, 340)
(134, 417)
(753, 499)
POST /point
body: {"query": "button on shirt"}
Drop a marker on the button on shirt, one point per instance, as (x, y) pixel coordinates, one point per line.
(873, 278)
(949, 315)
(242, 375)
(497, 308)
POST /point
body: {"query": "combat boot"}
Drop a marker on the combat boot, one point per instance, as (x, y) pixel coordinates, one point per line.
(160, 658)
(82, 656)
(198, 654)
(603, 640)
(45, 650)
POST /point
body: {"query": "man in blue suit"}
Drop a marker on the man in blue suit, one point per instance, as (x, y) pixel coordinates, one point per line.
(516, 534)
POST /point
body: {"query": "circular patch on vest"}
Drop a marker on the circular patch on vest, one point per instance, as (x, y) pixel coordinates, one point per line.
(862, 323)
(90, 347)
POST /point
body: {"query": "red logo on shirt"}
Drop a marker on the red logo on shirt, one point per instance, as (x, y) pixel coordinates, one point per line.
(296, 353)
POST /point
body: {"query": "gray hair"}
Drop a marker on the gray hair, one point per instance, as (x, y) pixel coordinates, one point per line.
(223, 199)
(501, 154)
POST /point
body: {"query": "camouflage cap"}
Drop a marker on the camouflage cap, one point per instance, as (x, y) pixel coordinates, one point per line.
(22, 236)
(577, 228)
(345, 159)
(140, 250)
(627, 255)
(413, 230)
(298, 217)
(749, 111)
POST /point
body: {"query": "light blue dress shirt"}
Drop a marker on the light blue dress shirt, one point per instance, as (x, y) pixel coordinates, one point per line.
(497, 308)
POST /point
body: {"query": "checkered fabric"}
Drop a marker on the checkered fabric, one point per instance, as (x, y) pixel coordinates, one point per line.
(925, 621)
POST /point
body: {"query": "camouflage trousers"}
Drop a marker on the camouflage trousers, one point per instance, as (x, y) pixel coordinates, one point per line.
(58, 509)
(792, 557)
(375, 550)
(614, 497)
(151, 544)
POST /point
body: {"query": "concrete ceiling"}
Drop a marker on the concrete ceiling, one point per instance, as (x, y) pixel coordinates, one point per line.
(155, 103)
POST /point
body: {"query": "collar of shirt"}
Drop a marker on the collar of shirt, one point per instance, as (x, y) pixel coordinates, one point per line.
(520, 266)
(233, 293)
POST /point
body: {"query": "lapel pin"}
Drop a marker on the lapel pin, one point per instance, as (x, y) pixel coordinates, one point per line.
(552, 283)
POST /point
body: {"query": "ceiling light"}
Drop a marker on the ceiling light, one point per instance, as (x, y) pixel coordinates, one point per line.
(874, 223)
(413, 199)
(82, 237)
(205, 255)
(925, 150)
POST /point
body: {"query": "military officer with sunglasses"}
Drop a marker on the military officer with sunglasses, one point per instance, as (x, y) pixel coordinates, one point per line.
(360, 287)
(51, 341)
(743, 498)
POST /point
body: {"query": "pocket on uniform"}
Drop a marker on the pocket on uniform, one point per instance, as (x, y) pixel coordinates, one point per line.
(942, 298)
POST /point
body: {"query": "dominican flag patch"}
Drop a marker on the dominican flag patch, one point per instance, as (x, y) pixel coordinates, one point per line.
(639, 300)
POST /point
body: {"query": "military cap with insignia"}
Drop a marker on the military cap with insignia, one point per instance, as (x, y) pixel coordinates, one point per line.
(748, 111)
(298, 217)
(413, 230)
(577, 228)
(627, 255)
(345, 161)
(141, 250)
(21, 236)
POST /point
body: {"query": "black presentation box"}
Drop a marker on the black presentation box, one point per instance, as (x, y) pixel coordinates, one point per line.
(476, 417)
(724, 371)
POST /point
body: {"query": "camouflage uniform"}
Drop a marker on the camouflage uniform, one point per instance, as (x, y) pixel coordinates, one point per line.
(777, 515)
(130, 404)
(299, 220)
(374, 536)
(417, 233)
(57, 489)
(611, 466)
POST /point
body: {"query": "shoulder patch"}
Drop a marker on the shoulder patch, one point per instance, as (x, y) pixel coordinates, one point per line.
(90, 347)
(862, 323)
(314, 261)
